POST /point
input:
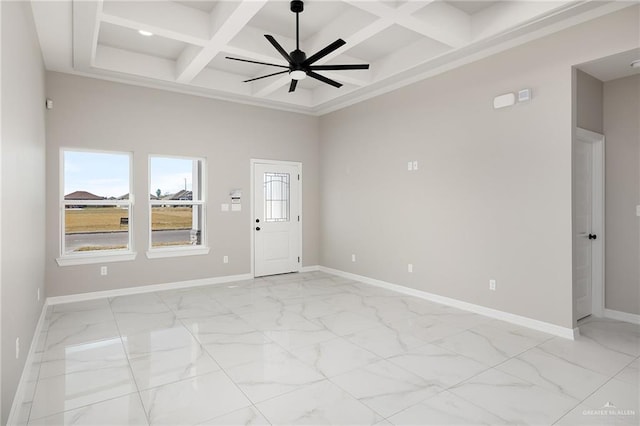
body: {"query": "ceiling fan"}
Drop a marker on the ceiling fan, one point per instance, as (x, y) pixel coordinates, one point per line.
(299, 65)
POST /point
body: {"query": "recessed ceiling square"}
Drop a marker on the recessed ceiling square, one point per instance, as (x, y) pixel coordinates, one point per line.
(129, 39)
(384, 43)
(471, 7)
(203, 5)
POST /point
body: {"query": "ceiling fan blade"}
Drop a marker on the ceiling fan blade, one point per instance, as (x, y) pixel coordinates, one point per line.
(324, 52)
(257, 62)
(278, 47)
(292, 87)
(340, 67)
(324, 79)
(265, 76)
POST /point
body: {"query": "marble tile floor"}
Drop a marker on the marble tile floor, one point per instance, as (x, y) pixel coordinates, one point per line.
(313, 348)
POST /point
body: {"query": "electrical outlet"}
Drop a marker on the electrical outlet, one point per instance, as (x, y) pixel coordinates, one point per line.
(103, 270)
(410, 267)
(225, 259)
(353, 257)
(17, 348)
(415, 165)
(492, 285)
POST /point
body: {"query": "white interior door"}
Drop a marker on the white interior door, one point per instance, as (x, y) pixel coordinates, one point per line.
(583, 227)
(276, 225)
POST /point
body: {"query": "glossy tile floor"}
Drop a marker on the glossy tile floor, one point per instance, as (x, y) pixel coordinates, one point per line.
(317, 349)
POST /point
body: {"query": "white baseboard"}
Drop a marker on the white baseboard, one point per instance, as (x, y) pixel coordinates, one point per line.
(621, 316)
(146, 289)
(312, 268)
(19, 396)
(556, 330)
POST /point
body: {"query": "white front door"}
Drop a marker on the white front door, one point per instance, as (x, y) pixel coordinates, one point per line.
(583, 227)
(276, 221)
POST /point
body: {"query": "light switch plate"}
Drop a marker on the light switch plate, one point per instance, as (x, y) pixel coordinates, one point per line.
(410, 165)
(524, 95)
(224, 207)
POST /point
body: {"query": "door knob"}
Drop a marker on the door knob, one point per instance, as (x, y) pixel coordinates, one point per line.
(592, 236)
(257, 228)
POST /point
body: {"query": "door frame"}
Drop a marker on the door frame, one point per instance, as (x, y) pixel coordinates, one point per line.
(597, 140)
(252, 163)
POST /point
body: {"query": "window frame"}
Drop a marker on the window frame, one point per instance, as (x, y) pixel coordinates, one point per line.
(94, 256)
(186, 250)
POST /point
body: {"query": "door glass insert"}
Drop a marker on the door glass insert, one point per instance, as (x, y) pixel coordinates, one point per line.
(276, 197)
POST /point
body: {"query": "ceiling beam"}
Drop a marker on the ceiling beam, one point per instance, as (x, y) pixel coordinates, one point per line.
(433, 27)
(227, 20)
(86, 24)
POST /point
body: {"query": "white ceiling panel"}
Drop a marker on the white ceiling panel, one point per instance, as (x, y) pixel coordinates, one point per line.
(203, 5)
(131, 40)
(471, 7)
(384, 43)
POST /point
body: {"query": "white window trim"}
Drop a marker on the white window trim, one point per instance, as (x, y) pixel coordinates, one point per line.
(88, 258)
(158, 253)
(179, 251)
(97, 256)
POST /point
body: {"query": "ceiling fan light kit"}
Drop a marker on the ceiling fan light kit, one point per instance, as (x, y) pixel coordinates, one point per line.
(299, 66)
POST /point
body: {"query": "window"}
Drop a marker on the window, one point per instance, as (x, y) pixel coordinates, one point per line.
(177, 206)
(95, 207)
(276, 197)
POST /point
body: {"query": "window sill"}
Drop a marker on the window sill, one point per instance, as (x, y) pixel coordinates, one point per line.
(177, 252)
(89, 258)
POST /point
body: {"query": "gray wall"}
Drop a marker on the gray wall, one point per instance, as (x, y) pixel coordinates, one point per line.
(492, 196)
(23, 191)
(622, 194)
(97, 114)
(589, 102)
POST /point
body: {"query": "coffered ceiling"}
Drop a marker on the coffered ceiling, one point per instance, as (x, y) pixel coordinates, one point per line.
(403, 41)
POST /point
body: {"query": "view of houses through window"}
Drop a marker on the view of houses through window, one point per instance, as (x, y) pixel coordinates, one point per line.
(97, 205)
(176, 201)
(96, 201)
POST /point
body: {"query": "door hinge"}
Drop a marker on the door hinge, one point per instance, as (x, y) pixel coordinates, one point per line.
(298, 218)
(298, 259)
(298, 177)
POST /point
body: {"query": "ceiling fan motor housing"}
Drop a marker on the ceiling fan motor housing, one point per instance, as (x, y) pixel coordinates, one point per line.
(298, 57)
(297, 6)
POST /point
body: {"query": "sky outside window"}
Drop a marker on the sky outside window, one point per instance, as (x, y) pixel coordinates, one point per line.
(102, 174)
(170, 175)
